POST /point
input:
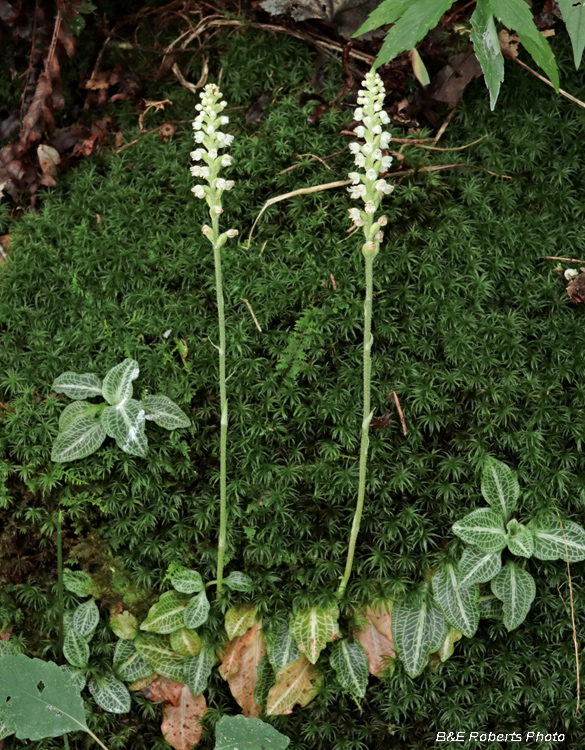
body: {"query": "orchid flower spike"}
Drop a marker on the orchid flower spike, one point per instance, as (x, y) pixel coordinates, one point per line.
(209, 139)
(367, 184)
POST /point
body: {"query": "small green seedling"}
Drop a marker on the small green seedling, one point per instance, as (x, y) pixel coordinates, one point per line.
(83, 426)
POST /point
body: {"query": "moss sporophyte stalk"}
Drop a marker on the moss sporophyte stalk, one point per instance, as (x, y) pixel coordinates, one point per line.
(369, 187)
(210, 139)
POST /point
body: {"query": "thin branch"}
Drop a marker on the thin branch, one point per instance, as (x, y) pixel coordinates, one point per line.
(570, 260)
(549, 83)
(252, 313)
(399, 410)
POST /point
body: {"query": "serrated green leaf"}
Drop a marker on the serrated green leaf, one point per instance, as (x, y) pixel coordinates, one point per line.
(78, 582)
(283, 649)
(86, 617)
(238, 619)
(76, 411)
(117, 386)
(448, 647)
(239, 733)
(350, 662)
(419, 629)
(574, 17)
(237, 581)
(477, 566)
(266, 677)
(483, 528)
(553, 542)
(75, 649)
(187, 581)
(124, 625)
(78, 386)
(490, 607)
(459, 604)
(415, 22)
(387, 12)
(516, 15)
(185, 642)
(487, 48)
(167, 614)
(197, 611)
(129, 664)
(158, 653)
(163, 412)
(111, 694)
(125, 423)
(312, 628)
(197, 670)
(520, 539)
(499, 486)
(516, 590)
(31, 713)
(81, 439)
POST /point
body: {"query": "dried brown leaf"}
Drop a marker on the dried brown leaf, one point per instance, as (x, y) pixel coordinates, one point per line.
(181, 724)
(376, 638)
(240, 668)
(49, 158)
(509, 44)
(163, 690)
(576, 289)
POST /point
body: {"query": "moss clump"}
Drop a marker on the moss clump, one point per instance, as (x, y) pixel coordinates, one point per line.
(473, 331)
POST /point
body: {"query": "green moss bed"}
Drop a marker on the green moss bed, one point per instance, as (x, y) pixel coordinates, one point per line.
(473, 330)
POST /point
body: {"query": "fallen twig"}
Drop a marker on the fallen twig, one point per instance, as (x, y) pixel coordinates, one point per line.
(252, 313)
(549, 83)
(570, 260)
(398, 408)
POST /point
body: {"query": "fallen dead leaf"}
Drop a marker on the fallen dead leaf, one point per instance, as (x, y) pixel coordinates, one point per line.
(167, 131)
(509, 44)
(49, 159)
(163, 690)
(157, 106)
(376, 638)
(181, 726)
(5, 634)
(240, 668)
(295, 683)
(576, 289)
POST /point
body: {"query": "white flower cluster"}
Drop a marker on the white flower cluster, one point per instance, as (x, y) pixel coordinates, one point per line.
(367, 185)
(207, 133)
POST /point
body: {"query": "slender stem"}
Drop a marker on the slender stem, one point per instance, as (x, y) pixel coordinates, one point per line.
(367, 418)
(60, 580)
(66, 742)
(91, 734)
(223, 405)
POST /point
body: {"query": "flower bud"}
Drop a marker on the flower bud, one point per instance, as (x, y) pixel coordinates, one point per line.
(370, 249)
(206, 229)
(382, 221)
(232, 233)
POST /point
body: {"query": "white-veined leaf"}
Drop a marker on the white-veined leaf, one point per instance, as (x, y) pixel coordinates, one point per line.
(77, 675)
(78, 582)
(111, 694)
(483, 528)
(78, 386)
(163, 412)
(86, 617)
(266, 679)
(350, 662)
(459, 604)
(81, 439)
(197, 670)
(419, 629)
(499, 486)
(555, 542)
(124, 625)
(295, 683)
(167, 614)
(125, 423)
(75, 649)
(187, 581)
(312, 628)
(129, 664)
(448, 647)
(117, 385)
(520, 539)
(161, 657)
(516, 589)
(72, 412)
(238, 619)
(477, 566)
(282, 649)
(487, 48)
(237, 581)
(185, 642)
(490, 607)
(197, 611)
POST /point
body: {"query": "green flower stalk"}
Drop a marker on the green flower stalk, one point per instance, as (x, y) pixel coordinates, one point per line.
(207, 133)
(367, 186)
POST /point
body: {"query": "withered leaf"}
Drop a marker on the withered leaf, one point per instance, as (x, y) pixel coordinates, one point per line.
(576, 289)
(49, 158)
(181, 724)
(163, 690)
(240, 668)
(376, 638)
(295, 683)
